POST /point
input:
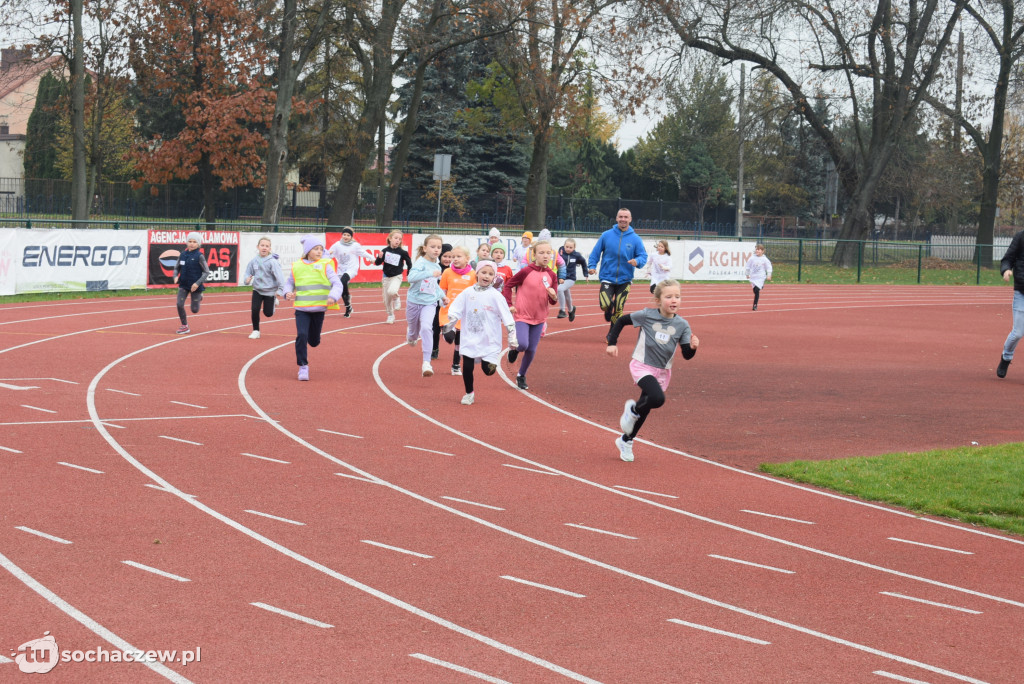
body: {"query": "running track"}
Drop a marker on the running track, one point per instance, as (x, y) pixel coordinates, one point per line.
(172, 492)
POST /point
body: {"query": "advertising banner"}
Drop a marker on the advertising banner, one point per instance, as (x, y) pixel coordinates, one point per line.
(373, 243)
(79, 260)
(712, 260)
(220, 247)
(287, 247)
(8, 258)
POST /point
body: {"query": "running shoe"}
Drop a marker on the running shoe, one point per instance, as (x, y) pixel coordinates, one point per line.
(625, 449)
(183, 330)
(303, 372)
(427, 369)
(521, 382)
(628, 418)
(254, 335)
(1003, 365)
(572, 314)
(456, 369)
(468, 399)
(513, 354)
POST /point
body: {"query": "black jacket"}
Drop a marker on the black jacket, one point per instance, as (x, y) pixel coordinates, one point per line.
(1013, 260)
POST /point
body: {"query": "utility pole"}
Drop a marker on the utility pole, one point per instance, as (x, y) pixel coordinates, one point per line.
(442, 172)
(743, 135)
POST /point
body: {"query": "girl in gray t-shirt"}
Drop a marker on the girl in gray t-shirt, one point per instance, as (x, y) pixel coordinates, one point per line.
(661, 330)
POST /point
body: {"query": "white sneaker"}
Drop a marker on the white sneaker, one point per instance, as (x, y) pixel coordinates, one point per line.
(625, 449)
(411, 341)
(628, 418)
(398, 303)
(391, 318)
(254, 335)
(468, 399)
(427, 369)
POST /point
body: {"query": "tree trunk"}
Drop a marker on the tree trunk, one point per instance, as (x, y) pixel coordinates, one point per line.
(400, 154)
(79, 198)
(535, 210)
(346, 196)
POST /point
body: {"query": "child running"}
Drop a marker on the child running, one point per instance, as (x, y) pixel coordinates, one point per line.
(535, 293)
(572, 259)
(457, 278)
(651, 366)
(190, 271)
(759, 269)
(394, 259)
(483, 313)
(347, 253)
(483, 253)
(314, 287)
(424, 294)
(504, 271)
(267, 280)
(445, 260)
(660, 264)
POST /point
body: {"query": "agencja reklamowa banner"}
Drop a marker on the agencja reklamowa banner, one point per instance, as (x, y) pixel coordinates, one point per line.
(220, 248)
(63, 260)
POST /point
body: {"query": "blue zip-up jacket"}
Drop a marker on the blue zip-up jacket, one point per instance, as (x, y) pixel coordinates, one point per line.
(191, 269)
(614, 249)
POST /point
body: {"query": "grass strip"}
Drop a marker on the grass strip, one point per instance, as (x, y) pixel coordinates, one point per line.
(977, 485)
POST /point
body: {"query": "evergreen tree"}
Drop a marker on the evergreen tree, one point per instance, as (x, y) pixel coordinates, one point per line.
(40, 142)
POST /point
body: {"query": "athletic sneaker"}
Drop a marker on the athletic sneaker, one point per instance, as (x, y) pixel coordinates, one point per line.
(755, 307)
(489, 368)
(628, 418)
(521, 382)
(398, 303)
(391, 318)
(254, 335)
(456, 369)
(572, 314)
(182, 330)
(348, 311)
(1003, 365)
(434, 353)
(427, 369)
(303, 372)
(513, 354)
(561, 314)
(411, 341)
(625, 449)
(468, 399)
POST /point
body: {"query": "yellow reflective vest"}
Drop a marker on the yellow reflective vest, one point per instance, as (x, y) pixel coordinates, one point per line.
(311, 283)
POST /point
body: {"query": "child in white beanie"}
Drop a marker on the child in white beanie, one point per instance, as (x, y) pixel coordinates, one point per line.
(190, 271)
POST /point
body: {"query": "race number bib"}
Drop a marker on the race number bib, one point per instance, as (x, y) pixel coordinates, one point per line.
(427, 286)
(392, 259)
(662, 337)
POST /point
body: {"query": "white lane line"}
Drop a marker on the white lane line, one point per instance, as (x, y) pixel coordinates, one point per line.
(459, 668)
(13, 451)
(293, 616)
(930, 603)
(274, 517)
(17, 387)
(42, 534)
(181, 403)
(130, 394)
(898, 678)
(36, 408)
(72, 465)
(119, 427)
(183, 441)
(168, 575)
(532, 470)
(169, 491)
(778, 517)
(755, 565)
(931, 546)
(594, 529)
(705, 628)
(430, 451)
(356, 477)
(90, 624)
(543, 586)
(123, 420)
(266, 458)
(644, 491)
(343, 434)
(473, 503)
(4, 661)
(395, 548)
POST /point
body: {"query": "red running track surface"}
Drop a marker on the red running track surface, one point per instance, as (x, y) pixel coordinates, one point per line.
(166, 492)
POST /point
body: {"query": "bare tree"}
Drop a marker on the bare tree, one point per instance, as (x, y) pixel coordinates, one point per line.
(877, 59)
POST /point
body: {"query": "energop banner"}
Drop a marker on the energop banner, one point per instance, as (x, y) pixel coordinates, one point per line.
(79, 260)
(713, 260)
(220, 247)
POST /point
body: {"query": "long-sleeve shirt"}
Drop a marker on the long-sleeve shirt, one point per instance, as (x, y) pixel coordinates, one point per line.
(572, 260)
(1013, 261)
(532, 298)
(423, 289)
(267, 276)
(656, 343)
(348, 254)
(483, 314)
(661, 267)
(758, 268)
(191, 275)
(393, 261)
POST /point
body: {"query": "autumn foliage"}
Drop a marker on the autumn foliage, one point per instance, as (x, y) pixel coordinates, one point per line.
(204, 60)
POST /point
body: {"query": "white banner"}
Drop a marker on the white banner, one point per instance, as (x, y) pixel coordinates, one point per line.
(713, 260)
(80, 260)
(8, 258)
(287, 247)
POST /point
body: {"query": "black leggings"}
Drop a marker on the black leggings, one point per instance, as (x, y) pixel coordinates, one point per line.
(651, 397)
(345, 297)
(455, 354)
(468, 362)
(265, 302)
(757, 294)
(612, 299)
(184, 294)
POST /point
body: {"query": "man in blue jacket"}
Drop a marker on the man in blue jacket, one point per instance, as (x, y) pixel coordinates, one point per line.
(620, 250)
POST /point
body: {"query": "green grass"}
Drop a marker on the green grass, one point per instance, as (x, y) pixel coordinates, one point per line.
(948, 274)
(978, 485)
